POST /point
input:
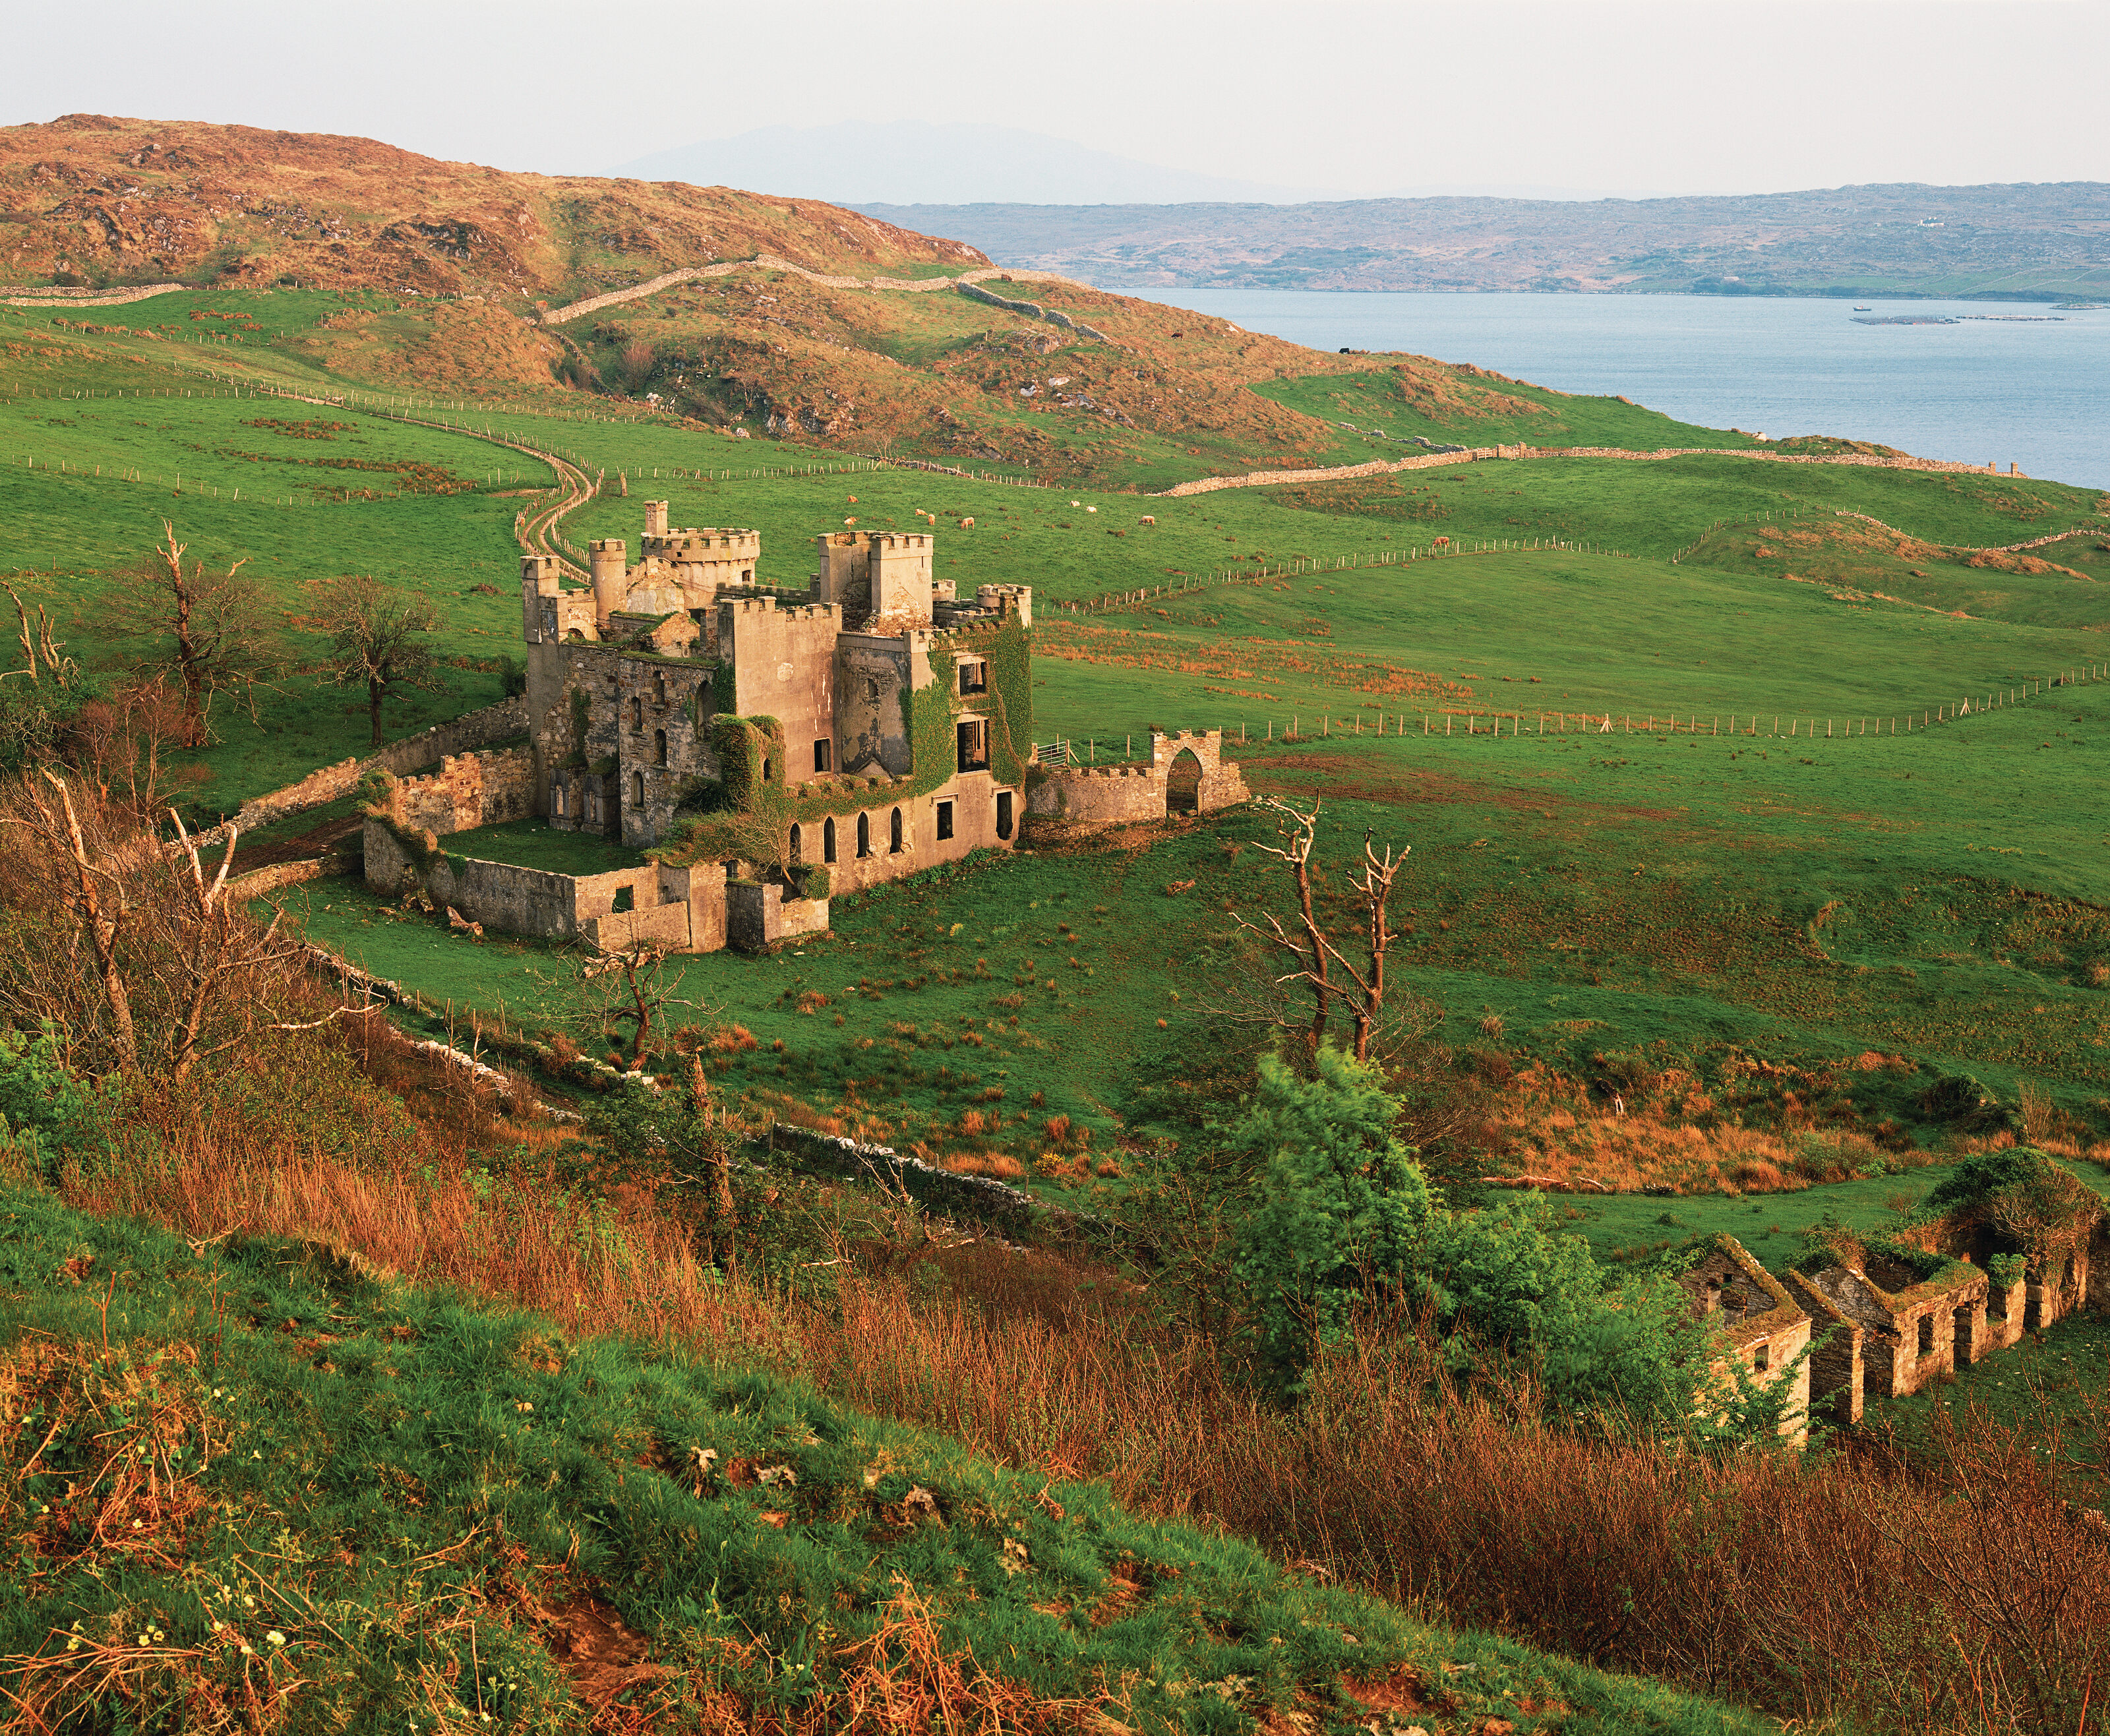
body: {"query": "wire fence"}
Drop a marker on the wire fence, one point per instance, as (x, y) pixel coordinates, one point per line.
(1511, 722)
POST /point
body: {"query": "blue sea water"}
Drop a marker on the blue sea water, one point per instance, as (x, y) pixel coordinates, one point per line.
(2035, 392)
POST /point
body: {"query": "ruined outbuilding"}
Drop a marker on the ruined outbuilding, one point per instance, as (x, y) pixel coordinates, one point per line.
(1760, 1329)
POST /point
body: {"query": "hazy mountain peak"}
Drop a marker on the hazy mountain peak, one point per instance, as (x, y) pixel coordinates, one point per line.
(922, 162)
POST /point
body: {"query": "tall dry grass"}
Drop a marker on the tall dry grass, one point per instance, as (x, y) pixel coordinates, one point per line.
(1850, 1586)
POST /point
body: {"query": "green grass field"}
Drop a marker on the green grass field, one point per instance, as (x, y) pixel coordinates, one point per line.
(1933, 895)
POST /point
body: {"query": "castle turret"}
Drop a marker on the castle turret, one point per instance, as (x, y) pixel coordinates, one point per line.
(655, 518)
(539, 578)
(610, 557)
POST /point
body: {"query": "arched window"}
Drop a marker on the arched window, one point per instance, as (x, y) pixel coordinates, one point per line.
(637, 789)
(828, 839)
(864, 835)
(893, 834)
(765, 772)
(660, 747)
(797, 846)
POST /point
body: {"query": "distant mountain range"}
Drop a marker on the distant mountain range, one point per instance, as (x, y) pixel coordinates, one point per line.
(948, 162)
(2022, 241)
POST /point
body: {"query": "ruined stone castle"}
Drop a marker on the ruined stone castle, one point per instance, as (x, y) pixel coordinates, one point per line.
(770, 746)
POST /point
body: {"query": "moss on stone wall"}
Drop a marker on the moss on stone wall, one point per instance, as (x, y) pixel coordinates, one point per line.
(760, 813)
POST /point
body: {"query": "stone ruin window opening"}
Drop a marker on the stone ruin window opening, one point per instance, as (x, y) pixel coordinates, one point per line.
(1964, 1336)
(636, 713)
(893, 834)
(974, 677)
(765, 772)
(557, 800)
(798, 851)
(864, 836)
(747, 576)
(658, 689)
(824, 754)
(1003, 813)
(828, 839)
(974, 745)
(637, 789)
(659, 747)
(1926, 1335)
(626, 899)
(1762, 1359)
(945, 820)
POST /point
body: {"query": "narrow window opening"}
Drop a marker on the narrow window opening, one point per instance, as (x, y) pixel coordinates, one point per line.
(1926, 1335)
(557, 800)
(658, 689)
(893, 834)
(823, 755)
(636, 713)
(626, 899)
(1003, 813)
(864, 835)
(797, 846)
(974, 745)
(765, 772)
(637, 789)
(828, 841)
(1761, 1357)
(660, 747)
(945, 820)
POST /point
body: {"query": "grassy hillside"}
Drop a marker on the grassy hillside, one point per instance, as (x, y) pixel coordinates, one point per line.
(254, 1477)
(101, 200)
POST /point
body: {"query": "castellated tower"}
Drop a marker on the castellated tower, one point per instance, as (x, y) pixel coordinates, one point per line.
(875, 575)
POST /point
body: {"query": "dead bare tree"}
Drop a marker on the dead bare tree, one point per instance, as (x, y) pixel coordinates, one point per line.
(1316, 960)
(149, 964)
(41, 655)
(214, 627)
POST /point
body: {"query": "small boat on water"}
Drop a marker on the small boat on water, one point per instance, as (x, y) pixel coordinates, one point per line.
(1864, 310)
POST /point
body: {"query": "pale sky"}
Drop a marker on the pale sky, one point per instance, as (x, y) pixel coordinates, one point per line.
(1692, 96)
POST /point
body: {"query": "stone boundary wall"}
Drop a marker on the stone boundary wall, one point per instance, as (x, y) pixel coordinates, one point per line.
(2037, 542)
(1031, 309)
(1430, 460)
(327, 784)
(273, 875)
(772, 262)
(19, 295)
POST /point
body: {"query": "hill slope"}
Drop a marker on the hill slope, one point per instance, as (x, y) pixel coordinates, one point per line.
(253, 1474)
(96, 199)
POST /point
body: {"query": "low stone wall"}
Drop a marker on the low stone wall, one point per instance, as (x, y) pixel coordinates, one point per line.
(16, 295)
(330, 783)
(1098, 795)
(680, 909)
(1031, 309)
(1430, 460)
(476, 729)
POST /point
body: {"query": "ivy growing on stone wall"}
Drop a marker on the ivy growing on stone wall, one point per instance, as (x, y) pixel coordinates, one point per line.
(759, 814)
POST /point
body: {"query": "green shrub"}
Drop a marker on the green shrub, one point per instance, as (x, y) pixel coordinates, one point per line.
(47, 1114)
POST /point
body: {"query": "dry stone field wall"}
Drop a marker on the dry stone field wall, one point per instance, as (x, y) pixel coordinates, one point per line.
(770, 262)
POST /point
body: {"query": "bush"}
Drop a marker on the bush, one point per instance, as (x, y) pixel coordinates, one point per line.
(46, 1115)
(1341, 1202)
